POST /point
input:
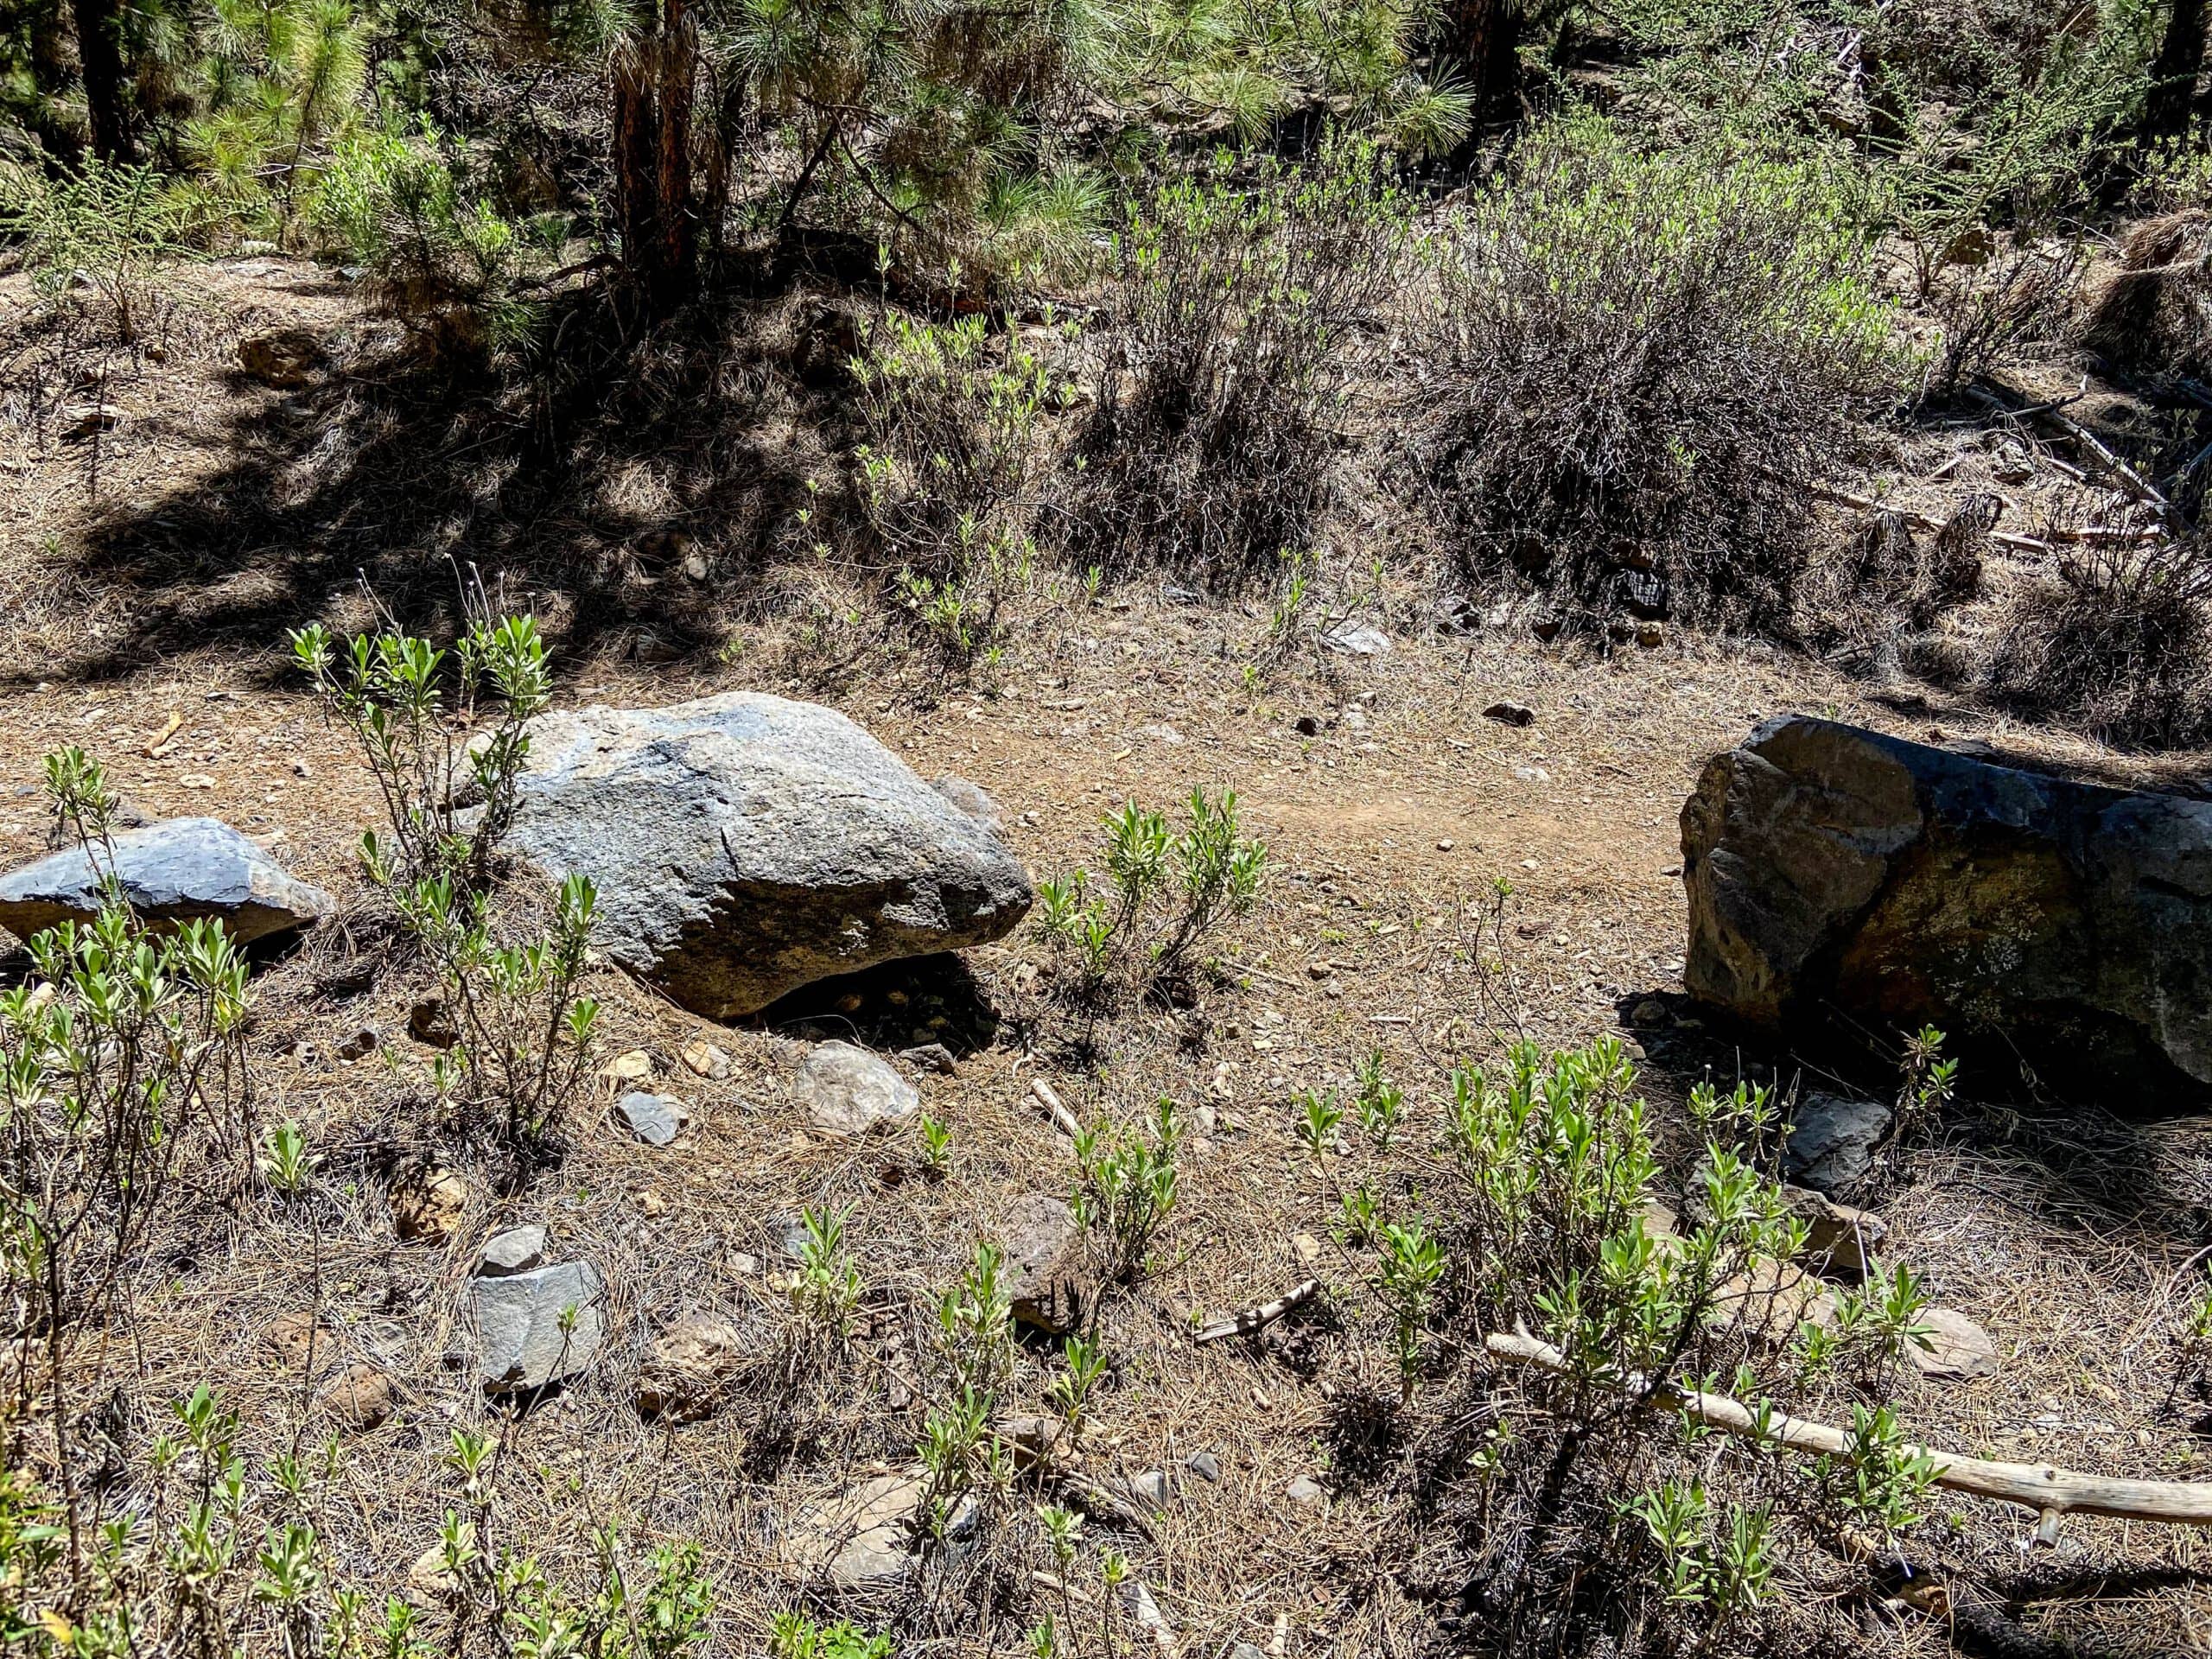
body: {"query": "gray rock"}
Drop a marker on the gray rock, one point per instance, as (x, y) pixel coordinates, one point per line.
(1151, 1488)
(931, 1057)
(519, 1317)
(176, 870)
(653, 1119)
(1958, 1349)
(1838, 1239)
(1307, 1490)
(516, 1251)
(847, 1090)
(1356, 639)
(745, 845)
(1832, 868)
(1044, 1260)
(1246, 1650)
(1205, 1465)
(1832, 1140)
(1143, 1609)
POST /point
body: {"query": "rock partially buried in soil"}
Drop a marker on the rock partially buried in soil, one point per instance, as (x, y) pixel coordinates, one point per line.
(1833, 868)
(427, 1204)
(745, 845)
(654, 1119)
(178, 870)
(518, 1322)
(1044, 1261)
(688, 1363)
(1833, 1139)
(847, 1090)
(286, 359)
(1958, 1349)
(361, 1398)
(863, 1538)
(1838, 1239)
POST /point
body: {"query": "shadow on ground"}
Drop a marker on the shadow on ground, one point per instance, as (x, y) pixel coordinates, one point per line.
(631, 498)
(2095, 1169)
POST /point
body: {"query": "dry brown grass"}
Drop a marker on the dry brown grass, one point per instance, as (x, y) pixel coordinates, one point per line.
(2069, 1240)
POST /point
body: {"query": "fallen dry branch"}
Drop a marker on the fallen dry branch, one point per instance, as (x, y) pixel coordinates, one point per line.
(2035, 1486)
(1260, 1317)
(1062, 1118)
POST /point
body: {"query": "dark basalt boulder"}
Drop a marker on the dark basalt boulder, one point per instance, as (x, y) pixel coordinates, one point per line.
(1839, 876)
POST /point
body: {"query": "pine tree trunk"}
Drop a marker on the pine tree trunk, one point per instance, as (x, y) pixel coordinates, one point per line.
(2167, 109)
(99, 52)
(1483, 37)
(654, 76)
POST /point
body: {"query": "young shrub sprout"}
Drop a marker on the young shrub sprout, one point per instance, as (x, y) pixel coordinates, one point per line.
(1162, 896)
(1126, 1185)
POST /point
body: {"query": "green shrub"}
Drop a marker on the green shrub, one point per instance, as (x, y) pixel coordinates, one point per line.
(113, 226)
(445, 257)
(1126, 1185)
(1240, 318)
(123, 1083)
(1167, 894)
(1638, 367)
(390, 689)
(956, 467)
(525, 1033)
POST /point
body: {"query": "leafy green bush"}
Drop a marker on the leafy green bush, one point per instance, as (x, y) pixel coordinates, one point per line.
(954, 467)
(443, 256)
(1240, 316)
(111, 226)
(525, 1033)
(390, 689)
(122, 1081)
(795, 1635)
(1126, 1185)
(1638, 367)
(1206, 875)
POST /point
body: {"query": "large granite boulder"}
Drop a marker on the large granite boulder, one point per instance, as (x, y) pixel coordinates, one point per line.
(1836, 871)
(745, 845)
(178, 870)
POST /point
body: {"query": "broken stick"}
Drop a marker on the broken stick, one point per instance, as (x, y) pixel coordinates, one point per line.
(1050, 1101)
(2035, 1486)
(1260, 1317)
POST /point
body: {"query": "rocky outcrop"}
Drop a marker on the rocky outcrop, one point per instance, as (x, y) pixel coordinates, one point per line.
(178, 870)
(745, 845)
(1832, 870)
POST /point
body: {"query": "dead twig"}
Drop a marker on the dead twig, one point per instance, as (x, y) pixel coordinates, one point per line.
(1260, 1317)
(2035, 1486)
(1063, 1118)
